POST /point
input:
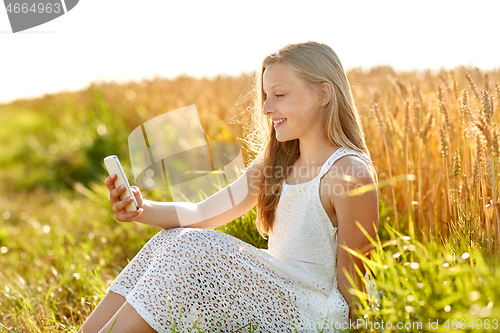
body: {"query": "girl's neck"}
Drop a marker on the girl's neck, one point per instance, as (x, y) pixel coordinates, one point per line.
(315, 153)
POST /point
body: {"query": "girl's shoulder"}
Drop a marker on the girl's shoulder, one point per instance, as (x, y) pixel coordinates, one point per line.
(349, 168)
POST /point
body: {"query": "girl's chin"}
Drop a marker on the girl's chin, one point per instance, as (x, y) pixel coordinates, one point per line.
(281, 139)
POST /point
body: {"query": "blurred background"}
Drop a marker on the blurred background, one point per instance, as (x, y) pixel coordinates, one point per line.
(121, 40)
(425, 77)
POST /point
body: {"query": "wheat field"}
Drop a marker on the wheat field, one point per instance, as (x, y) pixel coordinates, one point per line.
(433, 137)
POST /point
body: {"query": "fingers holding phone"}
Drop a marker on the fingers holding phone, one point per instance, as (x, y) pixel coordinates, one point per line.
(110, 182)
(138, 195)
(119, 205)
(123, 198)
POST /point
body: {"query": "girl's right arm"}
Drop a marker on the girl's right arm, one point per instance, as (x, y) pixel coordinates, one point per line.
(165, 215)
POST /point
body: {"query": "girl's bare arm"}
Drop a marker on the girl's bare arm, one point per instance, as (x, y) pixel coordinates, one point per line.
(349, 209)
(206, 214)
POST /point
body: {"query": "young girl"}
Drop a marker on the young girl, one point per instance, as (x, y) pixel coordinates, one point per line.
(314, 154)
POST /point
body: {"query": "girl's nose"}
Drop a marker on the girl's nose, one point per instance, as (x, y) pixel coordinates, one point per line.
(268, 108)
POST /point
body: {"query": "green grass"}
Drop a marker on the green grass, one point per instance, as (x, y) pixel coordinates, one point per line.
(61, 252)
(448, 284)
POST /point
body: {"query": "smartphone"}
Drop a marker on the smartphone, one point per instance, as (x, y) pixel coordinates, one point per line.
(114, 166)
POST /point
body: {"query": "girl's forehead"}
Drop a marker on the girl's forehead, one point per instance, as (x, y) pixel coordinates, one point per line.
(279, 74)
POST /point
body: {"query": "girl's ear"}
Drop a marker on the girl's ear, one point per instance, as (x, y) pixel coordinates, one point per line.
(325, 93)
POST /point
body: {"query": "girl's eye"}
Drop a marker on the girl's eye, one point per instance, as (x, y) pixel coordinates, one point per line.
(277, 96)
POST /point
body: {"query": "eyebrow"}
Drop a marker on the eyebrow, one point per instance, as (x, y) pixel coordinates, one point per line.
(273, 86)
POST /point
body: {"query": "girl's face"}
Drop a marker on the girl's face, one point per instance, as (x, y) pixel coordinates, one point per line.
(291, 102)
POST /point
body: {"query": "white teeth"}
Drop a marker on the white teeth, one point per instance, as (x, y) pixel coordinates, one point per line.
(279, 121)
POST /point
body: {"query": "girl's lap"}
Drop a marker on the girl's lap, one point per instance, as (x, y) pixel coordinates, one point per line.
(184, 273)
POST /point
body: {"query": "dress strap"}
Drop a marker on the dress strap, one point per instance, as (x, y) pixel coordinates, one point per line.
(342, 151)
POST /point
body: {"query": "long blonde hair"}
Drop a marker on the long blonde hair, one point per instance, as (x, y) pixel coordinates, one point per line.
(315, 63)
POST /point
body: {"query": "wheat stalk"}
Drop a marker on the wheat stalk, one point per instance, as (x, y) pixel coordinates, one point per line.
(481, 163)
(456, 164)
(473, 86)
(465, 107)
(481, 150)
(455, 85)
(493, 202)
(378, 119)
(475, 174)
(492, 165)
(408, 128)
(497, 88)
(466, 117)
(445, 81)
(416, 110)
(491, 171)
(442, 137)
(429, 123)
(416, 115)
(444, 151)
(486, 110)
(456, 174)
(402, 89)
(487, 146)
(444, 110)
(408, 131)
(376, 114)
(495, 146)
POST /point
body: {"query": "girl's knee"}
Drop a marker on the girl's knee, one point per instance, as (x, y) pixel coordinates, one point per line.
(186, 235)
(195, 233)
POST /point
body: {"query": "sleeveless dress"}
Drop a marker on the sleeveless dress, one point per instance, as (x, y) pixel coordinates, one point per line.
(184, 276)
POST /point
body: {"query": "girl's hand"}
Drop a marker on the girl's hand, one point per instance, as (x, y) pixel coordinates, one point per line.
(119, 205)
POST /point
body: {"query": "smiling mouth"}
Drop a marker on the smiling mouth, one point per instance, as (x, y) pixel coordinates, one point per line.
(282, 120)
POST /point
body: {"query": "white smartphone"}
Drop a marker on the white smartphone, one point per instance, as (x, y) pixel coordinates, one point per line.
(113, 166)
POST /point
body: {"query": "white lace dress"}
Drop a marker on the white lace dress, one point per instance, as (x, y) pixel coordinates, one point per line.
(184, 276)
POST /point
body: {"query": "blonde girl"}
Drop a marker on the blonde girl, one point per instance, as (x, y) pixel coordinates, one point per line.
(311, 154)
